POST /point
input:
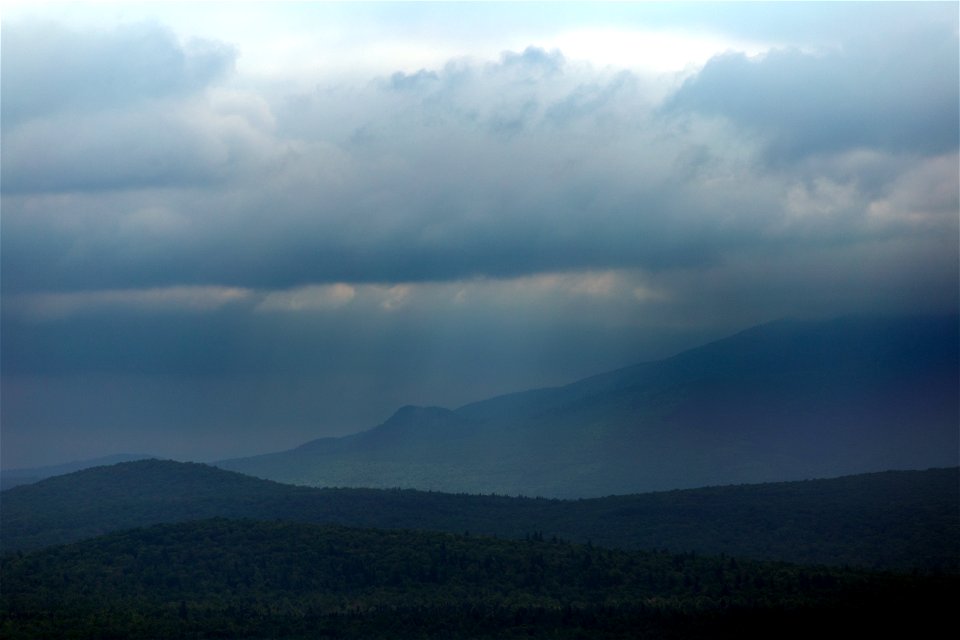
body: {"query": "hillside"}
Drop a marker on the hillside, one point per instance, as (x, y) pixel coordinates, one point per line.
(894, 520)
(784, 401)
(222, 578)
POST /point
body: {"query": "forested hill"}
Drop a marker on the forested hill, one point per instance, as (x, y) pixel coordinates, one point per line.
(902, 519)
(223, 578)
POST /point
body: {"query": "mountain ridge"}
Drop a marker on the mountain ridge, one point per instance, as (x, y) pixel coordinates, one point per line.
(780, 401)
(891, 520)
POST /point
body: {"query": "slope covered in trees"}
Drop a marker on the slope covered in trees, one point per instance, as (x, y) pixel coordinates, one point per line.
(902, 519)
(224, 578)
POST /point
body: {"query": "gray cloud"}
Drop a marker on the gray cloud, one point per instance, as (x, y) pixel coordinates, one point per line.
(899, 95)
(48, 68)
(468, 177)
(528, 165)
(158, 146)
(119, 109)
(531, 164)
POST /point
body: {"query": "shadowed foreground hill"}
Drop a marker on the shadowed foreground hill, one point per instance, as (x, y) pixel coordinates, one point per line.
(901, 519)
(782, 401)
(223, 578)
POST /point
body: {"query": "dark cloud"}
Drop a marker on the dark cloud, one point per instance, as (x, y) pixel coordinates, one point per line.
(900, 96)
(468, 178)
(528, 165)
(576, 227)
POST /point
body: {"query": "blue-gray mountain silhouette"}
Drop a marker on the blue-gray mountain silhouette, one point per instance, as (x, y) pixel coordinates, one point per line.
(782, 401)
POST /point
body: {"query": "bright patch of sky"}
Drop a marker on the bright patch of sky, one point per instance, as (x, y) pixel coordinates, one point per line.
(307, 41)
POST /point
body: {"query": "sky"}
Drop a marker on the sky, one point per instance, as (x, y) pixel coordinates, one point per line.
(228, 229)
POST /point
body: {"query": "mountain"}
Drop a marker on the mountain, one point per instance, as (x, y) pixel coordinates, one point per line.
(245, 579)
(10, 478)
(782, 401)
(904, 520)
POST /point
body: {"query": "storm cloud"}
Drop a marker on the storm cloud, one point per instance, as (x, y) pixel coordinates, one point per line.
(174, 220)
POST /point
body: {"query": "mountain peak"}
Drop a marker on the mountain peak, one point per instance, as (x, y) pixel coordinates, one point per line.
(413, 421)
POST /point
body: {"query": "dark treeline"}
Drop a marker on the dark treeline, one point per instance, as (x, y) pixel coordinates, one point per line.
(904, 520)
(240, 579)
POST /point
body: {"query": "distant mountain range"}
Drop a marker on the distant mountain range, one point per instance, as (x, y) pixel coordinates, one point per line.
(893, 520)
(782, 401)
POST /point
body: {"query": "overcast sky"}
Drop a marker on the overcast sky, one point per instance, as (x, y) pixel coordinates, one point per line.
(228, 229)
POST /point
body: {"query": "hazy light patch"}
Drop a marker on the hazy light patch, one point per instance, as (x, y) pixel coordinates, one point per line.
(542, 291)
(155, 220)
(250, 108)
(647, 293)
(597, 284)
(186, 298)
(394, 297)
(405, 56)
(647, 50)
(301, 43)
(552, 289)
(309, 298)
(819, 201)
(926, 196)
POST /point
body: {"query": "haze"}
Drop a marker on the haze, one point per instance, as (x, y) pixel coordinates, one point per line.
(229, 229)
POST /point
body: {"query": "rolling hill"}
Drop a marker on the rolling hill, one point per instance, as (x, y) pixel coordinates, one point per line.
(783, 401)
(894, 520)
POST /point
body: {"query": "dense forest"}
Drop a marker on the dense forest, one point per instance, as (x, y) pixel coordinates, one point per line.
(161, 549)
(904, 520)
(235, 579)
